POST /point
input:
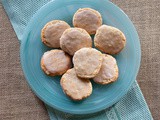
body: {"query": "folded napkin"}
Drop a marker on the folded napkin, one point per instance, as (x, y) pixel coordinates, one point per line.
(131, 107)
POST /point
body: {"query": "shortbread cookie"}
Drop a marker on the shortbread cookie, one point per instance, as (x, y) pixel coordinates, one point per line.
(108, 72)
(52, 32)
(55, 62)
(109, 39)
(74, 87)
(87, 62)
(88, 19)
(74, 39)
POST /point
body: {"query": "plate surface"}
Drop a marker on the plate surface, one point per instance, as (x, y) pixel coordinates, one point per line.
(48, 88)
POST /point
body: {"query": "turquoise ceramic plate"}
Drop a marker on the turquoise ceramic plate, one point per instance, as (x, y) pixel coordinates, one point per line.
(48, 88)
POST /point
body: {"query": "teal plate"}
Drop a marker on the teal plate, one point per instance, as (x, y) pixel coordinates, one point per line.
(47, 88)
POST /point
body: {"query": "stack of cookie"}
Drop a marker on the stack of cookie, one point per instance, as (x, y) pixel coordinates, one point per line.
(76, 46)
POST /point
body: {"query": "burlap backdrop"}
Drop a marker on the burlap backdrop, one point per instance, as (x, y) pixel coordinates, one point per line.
(17, 101)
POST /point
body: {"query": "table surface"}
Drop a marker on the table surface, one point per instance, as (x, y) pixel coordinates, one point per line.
(18, 102)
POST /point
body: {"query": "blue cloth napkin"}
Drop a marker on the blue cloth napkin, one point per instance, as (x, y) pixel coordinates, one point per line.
(131, 107)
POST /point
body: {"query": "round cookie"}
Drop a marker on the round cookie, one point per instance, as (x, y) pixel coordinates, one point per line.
(87, 62)
(109, 39)
(55, 62)
(74, 87)
(88, 19)
(108, 72)
(74, 39)
(52, 32)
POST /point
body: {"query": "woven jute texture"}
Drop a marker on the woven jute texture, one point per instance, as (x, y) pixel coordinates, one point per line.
(18, 102)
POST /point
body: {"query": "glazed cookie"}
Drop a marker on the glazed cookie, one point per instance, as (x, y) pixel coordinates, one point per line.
(74, 39)
(74, 87)
(108, 72)
(55, 62)
(87, 62)
(52, 32)
(88, 19)
(109, 39)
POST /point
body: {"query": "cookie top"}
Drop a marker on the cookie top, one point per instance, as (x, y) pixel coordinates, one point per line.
(76, 88)
(55, 62)
(108, 72)
(74, 39)
(88, 19)
(87, 62)
(109, 39)
(52, 32)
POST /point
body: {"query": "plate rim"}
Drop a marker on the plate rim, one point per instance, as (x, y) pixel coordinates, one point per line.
(27, 33)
